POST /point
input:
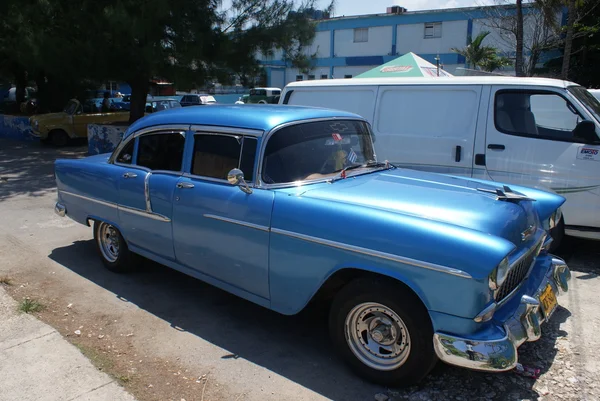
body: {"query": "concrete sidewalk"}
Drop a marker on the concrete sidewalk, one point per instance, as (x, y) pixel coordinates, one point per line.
(37, 363)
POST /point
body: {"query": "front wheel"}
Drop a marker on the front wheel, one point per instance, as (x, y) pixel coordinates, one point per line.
(112, 247)
(383, 331)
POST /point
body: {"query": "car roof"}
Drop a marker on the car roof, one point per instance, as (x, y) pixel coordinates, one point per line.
(478, 80)
(245, 116)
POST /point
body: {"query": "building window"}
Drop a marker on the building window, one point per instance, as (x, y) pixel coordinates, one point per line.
(299, 77)
(311, 77)
(433, 30)
(324, 76)
(361, 35)
(347, 76)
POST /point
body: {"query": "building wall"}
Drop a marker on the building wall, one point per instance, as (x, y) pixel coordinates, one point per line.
(411, 38)
(321, 45)
(379, 42)
(391, 36)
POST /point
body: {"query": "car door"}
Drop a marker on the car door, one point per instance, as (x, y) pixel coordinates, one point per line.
(146, 188)
(429, 128)
(218, 229)
(530, 141)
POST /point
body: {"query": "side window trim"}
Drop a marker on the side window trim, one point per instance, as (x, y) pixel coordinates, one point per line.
(532, 92)
(134, 163)
(188, 172)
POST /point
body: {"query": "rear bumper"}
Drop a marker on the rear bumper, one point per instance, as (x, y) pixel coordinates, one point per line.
(60, 209)
(500, 354)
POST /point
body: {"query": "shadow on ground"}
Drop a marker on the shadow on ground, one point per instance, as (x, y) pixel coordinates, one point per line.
(295, 347)
(27, 168)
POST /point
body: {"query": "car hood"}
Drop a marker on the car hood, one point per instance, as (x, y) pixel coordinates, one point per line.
(452, 200)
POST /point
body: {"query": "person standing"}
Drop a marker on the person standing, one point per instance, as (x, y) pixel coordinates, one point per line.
(106, 103)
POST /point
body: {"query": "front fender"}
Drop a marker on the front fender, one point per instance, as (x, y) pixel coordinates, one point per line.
(445, 265)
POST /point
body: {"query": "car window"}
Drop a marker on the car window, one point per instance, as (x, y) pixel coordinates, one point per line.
(544, 115)
(185, 99)
(126, 154)
(71, 107)
(314, 150)
(161, 151)
(216, 155)
(174, 104)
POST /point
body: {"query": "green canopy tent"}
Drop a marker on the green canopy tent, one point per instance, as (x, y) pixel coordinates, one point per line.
(409, 65)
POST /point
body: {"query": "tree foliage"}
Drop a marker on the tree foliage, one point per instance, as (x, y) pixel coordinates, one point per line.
(66, 43)
(475, 52)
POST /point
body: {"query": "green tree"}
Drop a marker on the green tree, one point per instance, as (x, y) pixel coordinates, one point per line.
(495, 63)
(475, 53)
(576, 11)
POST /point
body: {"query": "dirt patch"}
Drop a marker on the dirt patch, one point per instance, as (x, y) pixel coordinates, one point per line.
(105, 340)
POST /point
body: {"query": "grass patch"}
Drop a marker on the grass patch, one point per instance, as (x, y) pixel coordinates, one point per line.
(100, 360)
(30, 306)
(5, 280)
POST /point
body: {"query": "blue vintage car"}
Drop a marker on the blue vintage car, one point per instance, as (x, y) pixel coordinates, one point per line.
(283, 205)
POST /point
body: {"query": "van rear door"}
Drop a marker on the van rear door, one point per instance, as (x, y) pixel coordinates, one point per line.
(428, 127)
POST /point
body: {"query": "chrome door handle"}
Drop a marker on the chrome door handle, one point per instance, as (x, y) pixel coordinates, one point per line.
(129, 175)
(185, 184)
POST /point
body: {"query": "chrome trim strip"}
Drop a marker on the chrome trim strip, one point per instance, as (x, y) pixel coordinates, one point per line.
(152, 215)
(211, 179)
(147, 192)
(377, 254)
(226, 130)
(101, 202)
(238, 222)
(267, 136)
(143, 213)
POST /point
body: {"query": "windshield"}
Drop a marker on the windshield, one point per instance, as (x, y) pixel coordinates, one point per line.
(71, 107)
(314, 150)
(589, 101)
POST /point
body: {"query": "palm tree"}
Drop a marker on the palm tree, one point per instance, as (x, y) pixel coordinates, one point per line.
(550, 9)
(476, 54)
(496, 62)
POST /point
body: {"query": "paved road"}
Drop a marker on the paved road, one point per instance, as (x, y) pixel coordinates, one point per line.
(248, 352)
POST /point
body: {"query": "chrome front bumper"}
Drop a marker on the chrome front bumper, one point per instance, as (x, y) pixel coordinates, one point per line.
(60, 209)
(500, 354)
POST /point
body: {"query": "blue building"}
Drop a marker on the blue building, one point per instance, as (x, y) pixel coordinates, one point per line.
(348, 46)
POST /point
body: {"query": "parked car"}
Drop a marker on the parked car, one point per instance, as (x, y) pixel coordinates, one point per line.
(162, 104)
(261, 96)
(72, 122)
(197, 100)
(540, 133)
(283, 205)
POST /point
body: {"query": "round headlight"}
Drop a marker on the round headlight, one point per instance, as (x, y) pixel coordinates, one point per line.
(498, 275)
(555, 218)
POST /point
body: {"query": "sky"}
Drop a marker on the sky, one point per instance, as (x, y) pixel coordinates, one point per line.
(358, 7)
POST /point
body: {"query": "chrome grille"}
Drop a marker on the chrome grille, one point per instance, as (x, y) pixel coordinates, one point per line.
(517, 273)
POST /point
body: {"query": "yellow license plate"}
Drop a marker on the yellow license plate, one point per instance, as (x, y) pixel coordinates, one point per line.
(548, 300)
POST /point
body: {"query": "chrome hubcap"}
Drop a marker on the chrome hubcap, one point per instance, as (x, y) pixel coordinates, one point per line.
(109, 242)
(377, 336)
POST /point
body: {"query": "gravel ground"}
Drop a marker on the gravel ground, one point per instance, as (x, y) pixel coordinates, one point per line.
(168, 336)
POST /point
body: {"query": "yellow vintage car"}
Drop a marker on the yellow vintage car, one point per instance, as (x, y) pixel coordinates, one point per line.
(72, 122)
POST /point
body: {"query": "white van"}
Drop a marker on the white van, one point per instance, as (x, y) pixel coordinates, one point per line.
(534, 132)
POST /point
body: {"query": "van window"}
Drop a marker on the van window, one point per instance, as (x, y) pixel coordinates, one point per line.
(429, 112)
(544, 115)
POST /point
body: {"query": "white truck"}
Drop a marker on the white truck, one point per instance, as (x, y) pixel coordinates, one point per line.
(536, 132)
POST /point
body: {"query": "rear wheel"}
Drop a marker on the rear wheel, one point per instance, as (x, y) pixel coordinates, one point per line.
(112, 248)
(58, 138)
(383, 331)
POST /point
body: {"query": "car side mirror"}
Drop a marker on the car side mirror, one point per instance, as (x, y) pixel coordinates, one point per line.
(586, 131)
(236, 177)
